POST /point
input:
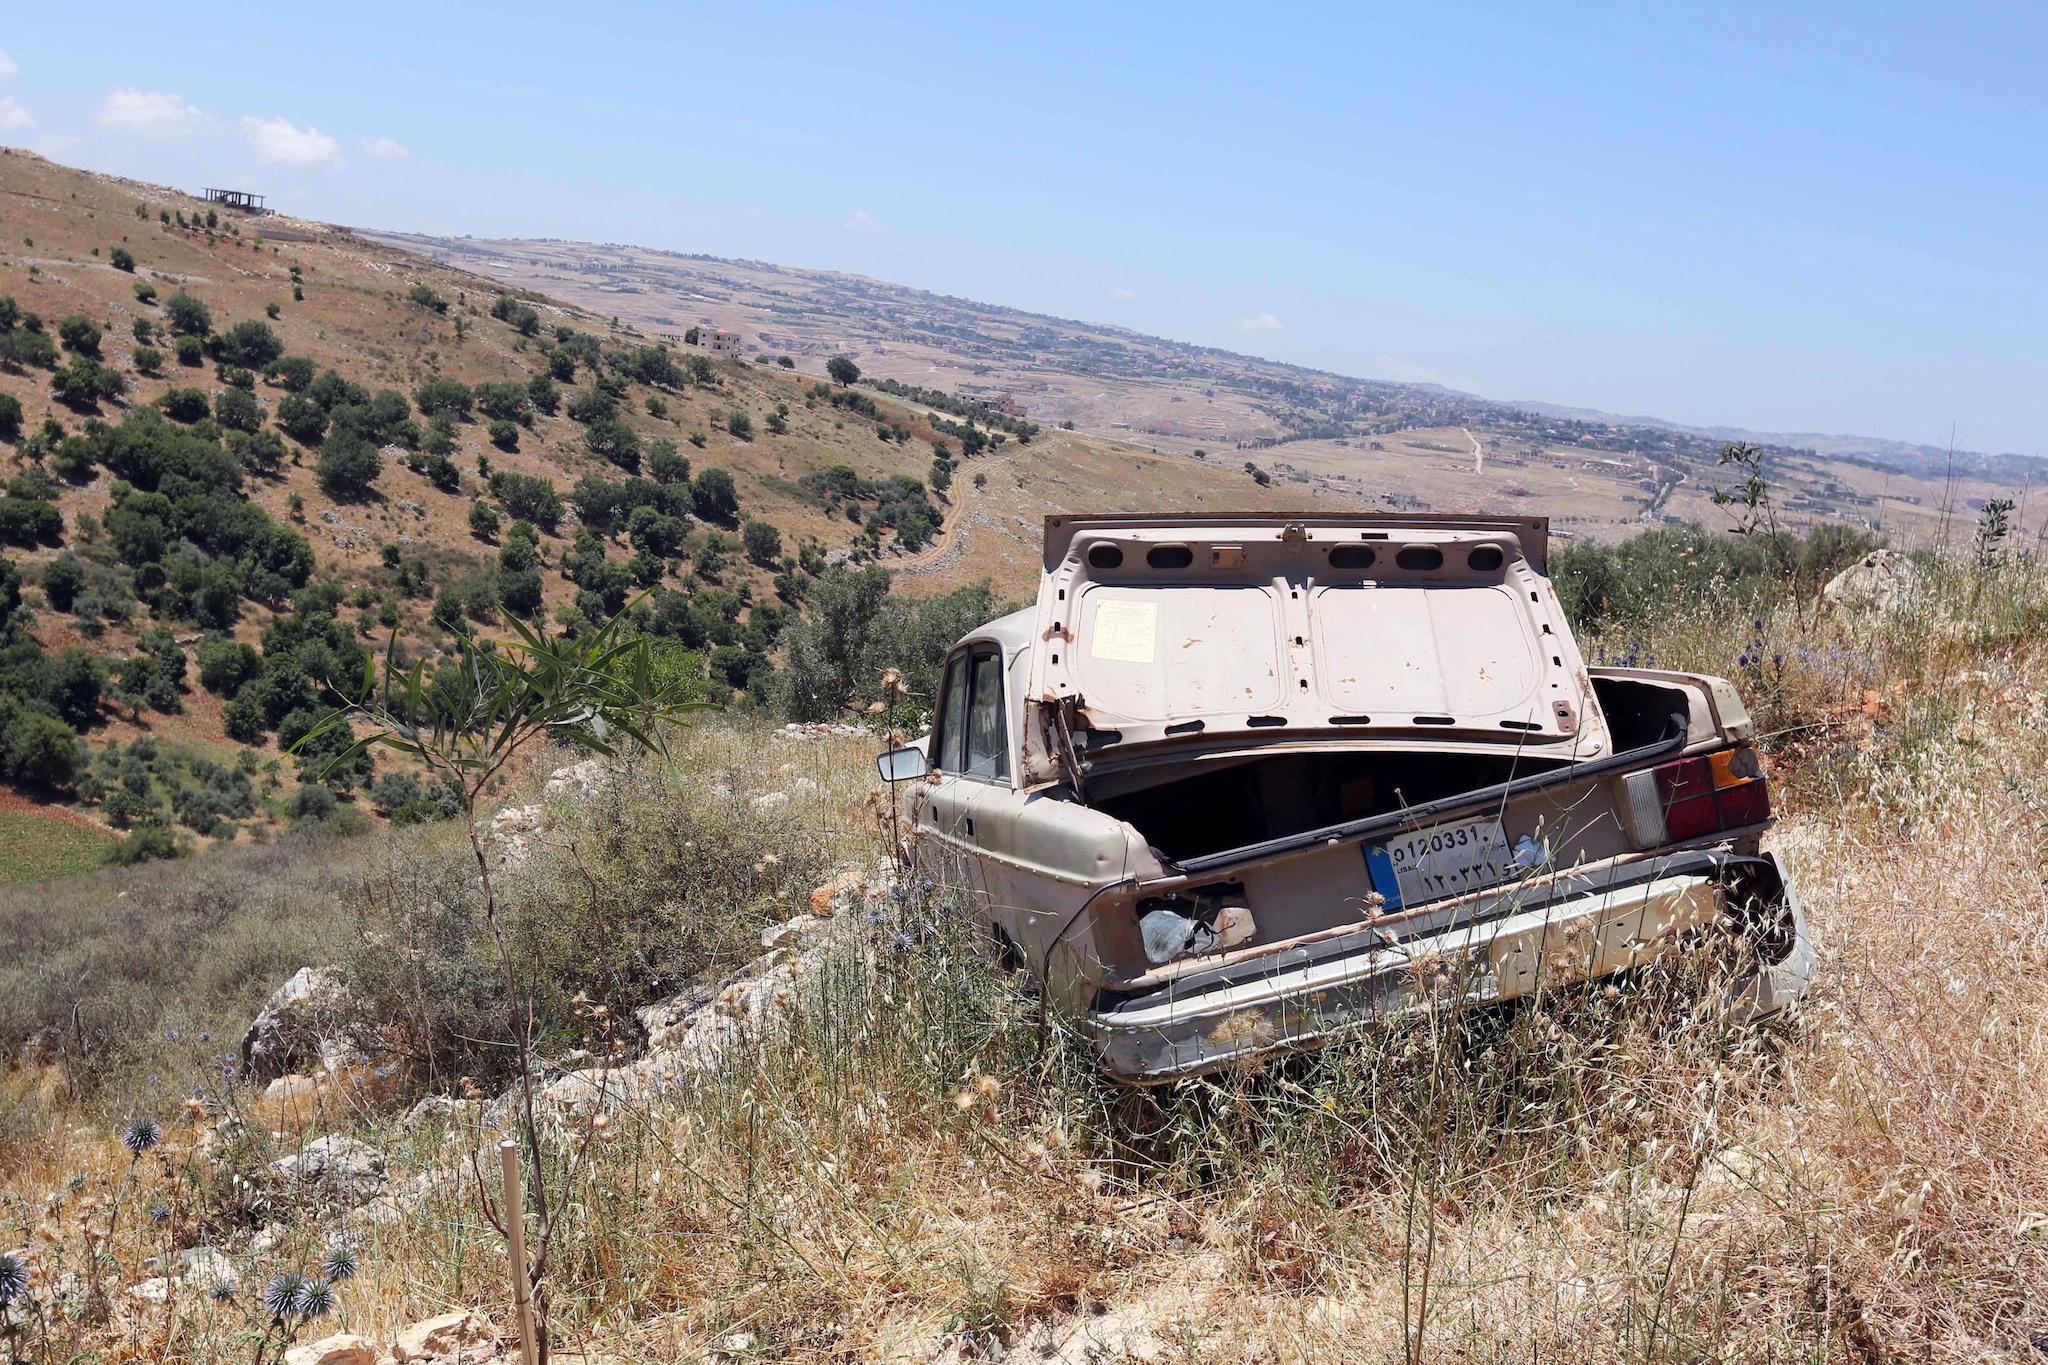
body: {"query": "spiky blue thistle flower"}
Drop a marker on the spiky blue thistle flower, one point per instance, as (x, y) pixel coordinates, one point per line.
(340, 1265)
(316, 1299)
(140, 1135)
(159, 1213)
(222, 1291)
(283, 1294)
(13, 1278)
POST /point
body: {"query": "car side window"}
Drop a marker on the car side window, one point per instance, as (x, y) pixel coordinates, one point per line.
(949, 744)
(988, 749)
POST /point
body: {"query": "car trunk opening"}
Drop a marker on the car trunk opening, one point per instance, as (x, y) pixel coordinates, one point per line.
(1207, 807)
(1248, 800)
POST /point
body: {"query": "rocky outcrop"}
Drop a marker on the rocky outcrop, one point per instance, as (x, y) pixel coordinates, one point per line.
(1882, 581)
(336, 1170)
(440, 1338)
(308, 1021)
(691, 1032)
(194, 1269)
(344, 1348)
(440, 1111)
(516, 830)
(519, 830)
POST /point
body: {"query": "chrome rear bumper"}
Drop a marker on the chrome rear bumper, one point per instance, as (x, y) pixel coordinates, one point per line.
(1304, 996)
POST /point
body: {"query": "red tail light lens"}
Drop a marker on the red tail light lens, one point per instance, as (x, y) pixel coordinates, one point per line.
(1687, 792)
(1724, 790)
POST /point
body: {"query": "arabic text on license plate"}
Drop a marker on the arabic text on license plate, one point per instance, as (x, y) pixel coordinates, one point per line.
(1443, 860)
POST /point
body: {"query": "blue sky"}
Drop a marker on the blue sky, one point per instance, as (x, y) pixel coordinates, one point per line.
(1787, 217)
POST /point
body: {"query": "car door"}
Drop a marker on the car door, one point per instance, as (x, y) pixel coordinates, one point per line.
(970, 755)
(940, 796)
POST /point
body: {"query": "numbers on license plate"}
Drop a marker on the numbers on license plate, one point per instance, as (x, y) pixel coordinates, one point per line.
(1443, 860)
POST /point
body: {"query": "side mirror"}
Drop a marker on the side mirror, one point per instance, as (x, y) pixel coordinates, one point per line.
(900, 765)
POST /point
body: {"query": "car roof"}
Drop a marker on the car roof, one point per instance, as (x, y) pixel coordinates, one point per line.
(1012, 632)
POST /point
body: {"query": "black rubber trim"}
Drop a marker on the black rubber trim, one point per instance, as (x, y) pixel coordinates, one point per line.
(1430, 812)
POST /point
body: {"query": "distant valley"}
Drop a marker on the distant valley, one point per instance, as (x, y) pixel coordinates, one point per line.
(1401, 445)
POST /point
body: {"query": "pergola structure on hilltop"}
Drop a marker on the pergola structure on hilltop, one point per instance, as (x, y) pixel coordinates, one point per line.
(237, 199)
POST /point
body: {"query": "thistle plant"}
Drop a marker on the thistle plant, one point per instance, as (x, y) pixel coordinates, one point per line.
(292, 1300)
(598, 692)
(139, 1135)
(15, 1303)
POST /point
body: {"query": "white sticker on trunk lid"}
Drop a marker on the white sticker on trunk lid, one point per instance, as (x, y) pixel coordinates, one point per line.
(1125, 631)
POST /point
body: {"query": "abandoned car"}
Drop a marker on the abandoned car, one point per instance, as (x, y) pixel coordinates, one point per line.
(1239, 783)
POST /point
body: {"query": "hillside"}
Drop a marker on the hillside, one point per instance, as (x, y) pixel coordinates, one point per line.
(1592, 473)
(376, 427)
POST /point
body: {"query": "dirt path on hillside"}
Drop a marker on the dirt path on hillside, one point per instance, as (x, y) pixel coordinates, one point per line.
(1478, 451)
(969, 508)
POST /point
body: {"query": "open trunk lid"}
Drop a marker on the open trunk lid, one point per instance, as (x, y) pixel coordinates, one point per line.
(1156, 631)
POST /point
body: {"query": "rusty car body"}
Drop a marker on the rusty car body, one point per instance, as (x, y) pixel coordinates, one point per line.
(1232, 778)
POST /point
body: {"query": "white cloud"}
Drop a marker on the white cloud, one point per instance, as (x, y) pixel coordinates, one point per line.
(1260, 322)
(7, 66)
(1117, 291)
(13, 117)
(387, 148)
(860, 221)
(280, 142)
(153, 113)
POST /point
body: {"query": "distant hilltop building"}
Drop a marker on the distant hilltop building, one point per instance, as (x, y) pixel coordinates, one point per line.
(716, 340)
(1003, 402)
(236, 199)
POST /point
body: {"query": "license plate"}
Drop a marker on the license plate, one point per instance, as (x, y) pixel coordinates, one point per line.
(1443, 860)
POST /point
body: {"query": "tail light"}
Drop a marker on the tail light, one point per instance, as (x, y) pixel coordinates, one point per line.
(1695, 797)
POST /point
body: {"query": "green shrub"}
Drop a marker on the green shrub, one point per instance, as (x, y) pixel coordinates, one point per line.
(349, 464)
(302, 419)
(763, 543)
(184, 405)
(122, 259)
(543, 395)
(145, 292)
(527, 497)
(84, 383)
(63, 580)
(187, 315)
(714, 497)
(250, 344)
(503, 399)
(238, 410)
(41, 751)
(439, 397)
(148, 360)
(191, 350)
(147, 844)
(79, 333)
(293, 373)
